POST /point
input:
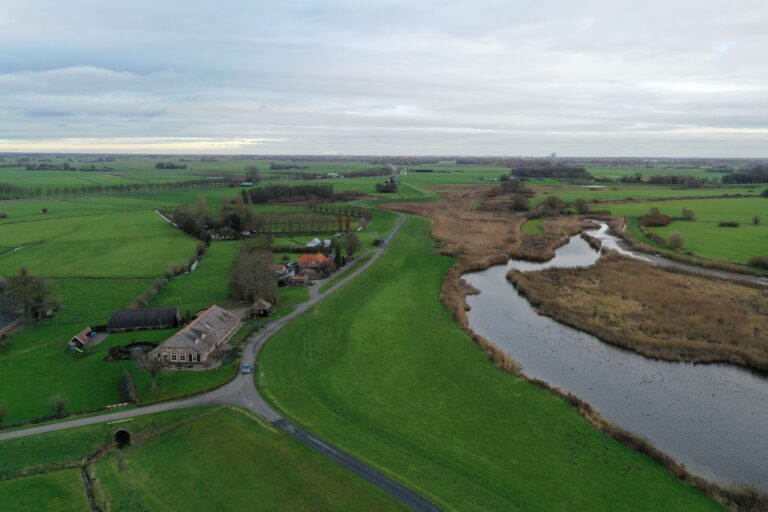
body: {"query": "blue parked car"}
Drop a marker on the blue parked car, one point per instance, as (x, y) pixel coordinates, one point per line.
(246, 368)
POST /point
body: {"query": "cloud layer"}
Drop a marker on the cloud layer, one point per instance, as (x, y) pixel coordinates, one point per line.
(597, 77)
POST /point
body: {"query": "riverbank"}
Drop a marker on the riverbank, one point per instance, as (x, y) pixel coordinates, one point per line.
(452, 225)
(655, 312)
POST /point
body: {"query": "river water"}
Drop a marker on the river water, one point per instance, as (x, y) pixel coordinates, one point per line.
(712, 418)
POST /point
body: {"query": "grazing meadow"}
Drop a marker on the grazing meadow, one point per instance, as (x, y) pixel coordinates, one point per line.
(383, 371)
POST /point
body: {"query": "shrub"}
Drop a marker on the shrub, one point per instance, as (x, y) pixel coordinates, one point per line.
(676, 240)
(581, 206)
(756, 219)
(58, 403)
(655, 220)
(687, 214)
(553, 203)
(3, 215)
(759, 262)
(520, 204)
(728, 224)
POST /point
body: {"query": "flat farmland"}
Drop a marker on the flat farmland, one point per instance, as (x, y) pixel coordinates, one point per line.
(703, 237)
(239, 463)
(62, 491)
(570, 193)
(124, 244)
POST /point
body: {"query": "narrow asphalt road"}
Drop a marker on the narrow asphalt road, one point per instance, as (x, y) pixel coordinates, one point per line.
(241, 391)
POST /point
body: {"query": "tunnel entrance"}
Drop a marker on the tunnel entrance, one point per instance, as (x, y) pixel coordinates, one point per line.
(122, 438)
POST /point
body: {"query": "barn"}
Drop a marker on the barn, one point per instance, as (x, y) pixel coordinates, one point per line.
(143, 318)
(193, 344)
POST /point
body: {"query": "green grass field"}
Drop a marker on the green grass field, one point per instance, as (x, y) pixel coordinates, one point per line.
(341, 274)
(702, 236)
(207, 285)
(383, 371)
(632, 192)
(532, 226)
(125, 244)
(247, 465)
(61, 491)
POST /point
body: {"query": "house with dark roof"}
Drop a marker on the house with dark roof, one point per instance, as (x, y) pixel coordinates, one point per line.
(194, 344)
(144, 318)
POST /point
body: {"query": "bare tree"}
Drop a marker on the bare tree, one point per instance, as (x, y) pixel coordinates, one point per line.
(154, 366)
(202, 210)
(352, 243)
(250, 277)
(33, 293)
(253, 174)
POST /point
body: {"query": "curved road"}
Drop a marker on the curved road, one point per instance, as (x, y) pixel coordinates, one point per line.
(241, 391)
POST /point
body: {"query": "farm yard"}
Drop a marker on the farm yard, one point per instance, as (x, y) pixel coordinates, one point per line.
(363, 369)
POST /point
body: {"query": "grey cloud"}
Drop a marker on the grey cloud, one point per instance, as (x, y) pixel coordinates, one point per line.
(618, 77)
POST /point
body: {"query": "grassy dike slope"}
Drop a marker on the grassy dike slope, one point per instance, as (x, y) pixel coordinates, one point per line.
(382, 370)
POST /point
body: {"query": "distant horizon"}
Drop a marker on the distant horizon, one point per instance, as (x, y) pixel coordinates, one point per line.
(375, 155)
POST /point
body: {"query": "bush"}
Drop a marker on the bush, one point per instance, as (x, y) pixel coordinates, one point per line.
(756, 219)
(728, 224)
(58, 403)
(759, 262)
(582, 206)
(676, 240)
(3, 215)
(655, 220)
(520, 204)
(687, 214)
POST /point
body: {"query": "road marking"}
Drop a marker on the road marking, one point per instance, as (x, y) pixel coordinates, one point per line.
(119, 421)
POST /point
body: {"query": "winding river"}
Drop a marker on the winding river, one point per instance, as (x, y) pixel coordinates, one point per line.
(712, 418)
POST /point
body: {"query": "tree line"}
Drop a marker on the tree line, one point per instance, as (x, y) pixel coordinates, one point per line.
(549, 170)
(10, 191)
(285, 193)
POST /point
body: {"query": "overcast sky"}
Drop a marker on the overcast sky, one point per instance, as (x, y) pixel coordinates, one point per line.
(593, 77)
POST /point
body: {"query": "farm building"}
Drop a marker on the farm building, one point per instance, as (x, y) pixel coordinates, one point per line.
(143, 318)
(314, 261)
(8, 320)
(298, 281)
(197, 341)
(316, 243)
(310, 273)
(80, 340)
(261, 308)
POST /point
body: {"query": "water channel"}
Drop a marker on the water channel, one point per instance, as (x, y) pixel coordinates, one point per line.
(712, 418)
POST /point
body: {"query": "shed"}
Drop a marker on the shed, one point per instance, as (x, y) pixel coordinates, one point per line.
(80, 339)
(144, 318)
(261, 308)
(298, 281)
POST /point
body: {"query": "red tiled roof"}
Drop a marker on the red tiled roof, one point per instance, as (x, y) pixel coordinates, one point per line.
(309, 260)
